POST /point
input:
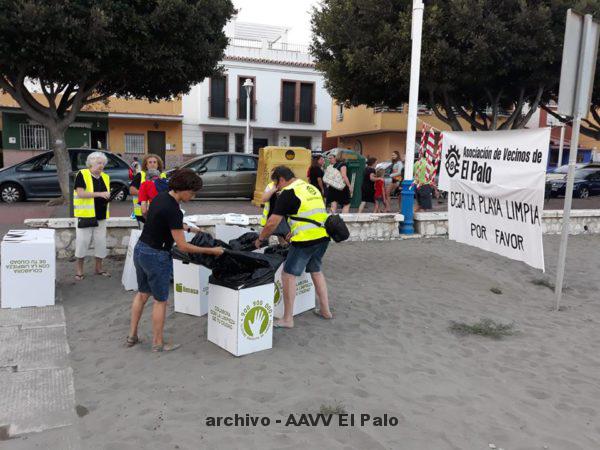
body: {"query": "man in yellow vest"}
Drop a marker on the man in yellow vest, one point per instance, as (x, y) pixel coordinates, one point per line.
(149, 162)
(299, 200)
(269, 199)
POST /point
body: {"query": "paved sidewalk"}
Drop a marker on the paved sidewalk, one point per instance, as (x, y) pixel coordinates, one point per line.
(37, 394)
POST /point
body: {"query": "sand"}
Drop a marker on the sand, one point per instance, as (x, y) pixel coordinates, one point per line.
(388, 351)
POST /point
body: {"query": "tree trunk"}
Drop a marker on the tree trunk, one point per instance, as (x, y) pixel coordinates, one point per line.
(63, 162)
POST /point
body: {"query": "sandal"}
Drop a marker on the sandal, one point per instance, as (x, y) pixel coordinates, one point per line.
(79, 277)
(104, 274)
(132, 340)
(165, 347)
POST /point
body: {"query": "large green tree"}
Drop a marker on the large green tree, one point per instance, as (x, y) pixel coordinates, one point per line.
(488, 62)
(83, 51)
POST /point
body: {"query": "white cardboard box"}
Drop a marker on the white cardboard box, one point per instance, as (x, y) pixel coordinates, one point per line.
(129, 278)
(241, 322)
(28, 268)
(190, 283)
(226, 233)
(305, 294)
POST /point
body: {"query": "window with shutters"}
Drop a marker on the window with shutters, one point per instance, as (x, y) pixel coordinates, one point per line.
(300, 141)
(297, 101)
(216, 142)
(218, 97)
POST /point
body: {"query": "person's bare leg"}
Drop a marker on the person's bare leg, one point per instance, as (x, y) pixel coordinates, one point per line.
(346, 209)
(79, 267)
(321, 289)
(289, 296)
(99, 265)
(361, 207)
(137, 308)
(159, 311)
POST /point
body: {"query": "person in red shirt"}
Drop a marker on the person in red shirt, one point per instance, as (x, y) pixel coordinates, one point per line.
(148, 190)
(380, 193)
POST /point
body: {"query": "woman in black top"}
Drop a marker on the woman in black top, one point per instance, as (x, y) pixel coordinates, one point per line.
(339, 197)
(368, 185)
(152, 254)
(315, 173)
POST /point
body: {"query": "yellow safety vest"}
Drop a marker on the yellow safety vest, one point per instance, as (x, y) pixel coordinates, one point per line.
(84, 207)
(137, 208)
(312, 207)
(267, 207)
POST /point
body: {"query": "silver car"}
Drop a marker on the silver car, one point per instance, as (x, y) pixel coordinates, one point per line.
(225, 174)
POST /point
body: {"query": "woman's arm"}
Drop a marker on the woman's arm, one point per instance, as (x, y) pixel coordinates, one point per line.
(82, 193)
(184, 246)
(144, 206)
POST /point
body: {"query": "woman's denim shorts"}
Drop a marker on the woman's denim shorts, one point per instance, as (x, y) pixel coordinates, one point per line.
(153, 269)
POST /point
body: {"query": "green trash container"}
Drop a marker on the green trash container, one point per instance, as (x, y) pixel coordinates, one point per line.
(355, 165)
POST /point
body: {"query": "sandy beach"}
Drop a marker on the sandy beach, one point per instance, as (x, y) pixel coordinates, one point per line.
(388, 351)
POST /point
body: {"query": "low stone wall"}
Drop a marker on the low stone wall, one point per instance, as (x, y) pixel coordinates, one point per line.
(362, 227)
(583, 221)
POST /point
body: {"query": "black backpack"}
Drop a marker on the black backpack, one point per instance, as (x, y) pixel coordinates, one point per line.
(334, 225)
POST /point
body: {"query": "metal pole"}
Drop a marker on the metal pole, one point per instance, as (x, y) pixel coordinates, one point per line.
(561, 145)
(408, 194)
(248, 120)
(562, 254)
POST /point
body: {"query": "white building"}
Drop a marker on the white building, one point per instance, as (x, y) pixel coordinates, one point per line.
(290, 105)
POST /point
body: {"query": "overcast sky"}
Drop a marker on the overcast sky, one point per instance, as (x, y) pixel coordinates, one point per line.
(294, 14)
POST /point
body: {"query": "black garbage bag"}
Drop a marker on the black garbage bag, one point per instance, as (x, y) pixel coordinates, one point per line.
(281, 250)
(241, 270)
(200, 240)
(244, 242)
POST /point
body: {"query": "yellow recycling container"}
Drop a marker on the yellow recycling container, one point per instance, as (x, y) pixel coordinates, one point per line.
(296, 158)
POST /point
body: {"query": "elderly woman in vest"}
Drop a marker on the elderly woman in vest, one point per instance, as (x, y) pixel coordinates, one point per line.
(150, 162)
(90, 205)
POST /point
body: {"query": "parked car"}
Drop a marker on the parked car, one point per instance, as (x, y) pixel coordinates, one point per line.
(586, 181)
(37, 178)
(225, 174)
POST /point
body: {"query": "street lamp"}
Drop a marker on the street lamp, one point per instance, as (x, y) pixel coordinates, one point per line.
(248, 85)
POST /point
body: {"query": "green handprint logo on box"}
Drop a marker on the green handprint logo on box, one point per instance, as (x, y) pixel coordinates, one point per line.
(256, 322)
(278, 289)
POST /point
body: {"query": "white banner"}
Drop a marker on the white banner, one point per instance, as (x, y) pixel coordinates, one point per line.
(495, 183)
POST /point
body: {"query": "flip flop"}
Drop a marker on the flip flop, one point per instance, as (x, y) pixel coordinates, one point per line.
(104, 274)
(79, 277)
(132, 340)
(276, 325)
(165, 348)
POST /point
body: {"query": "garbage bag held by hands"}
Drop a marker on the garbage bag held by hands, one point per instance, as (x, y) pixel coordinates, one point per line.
(240, 270)
(200, 240)
(281, 250)
(244, 242)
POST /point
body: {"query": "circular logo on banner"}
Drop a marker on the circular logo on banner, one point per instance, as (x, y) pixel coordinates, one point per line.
(290, 155)
(255, 321)
(452, 161)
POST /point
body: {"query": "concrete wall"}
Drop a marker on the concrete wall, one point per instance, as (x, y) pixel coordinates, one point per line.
(582, 221)
(363, 227)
